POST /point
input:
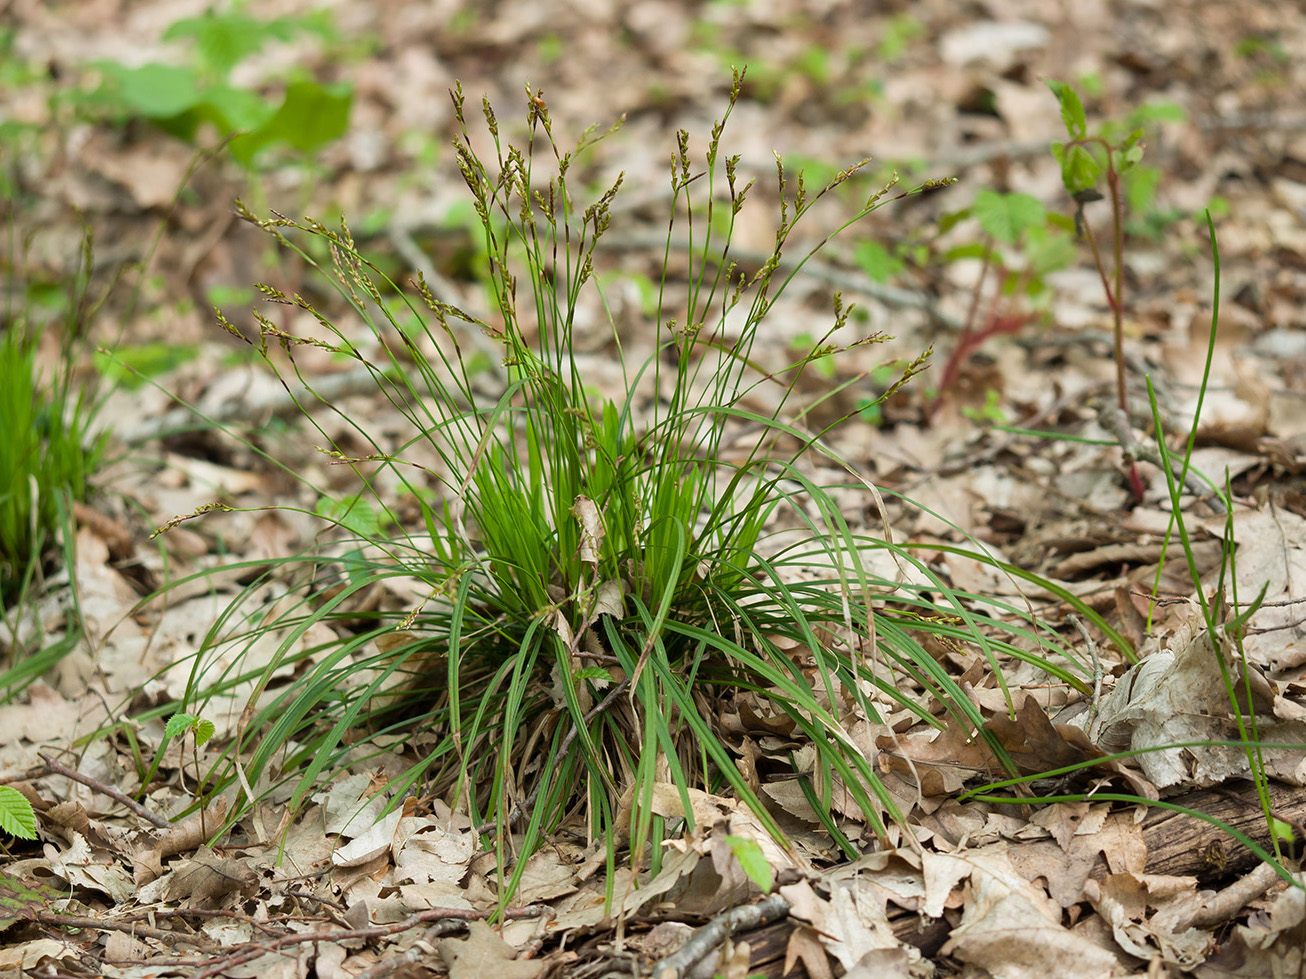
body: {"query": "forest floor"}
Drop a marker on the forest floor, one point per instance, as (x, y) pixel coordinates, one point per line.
(928, 89)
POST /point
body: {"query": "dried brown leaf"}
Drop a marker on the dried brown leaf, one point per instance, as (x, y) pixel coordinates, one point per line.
(484, 953)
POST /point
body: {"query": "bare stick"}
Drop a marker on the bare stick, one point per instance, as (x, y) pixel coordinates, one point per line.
(253, 950)
(1228, 902)
(1115, 422)
(114, 794)
(711, 935)
(1097, 665)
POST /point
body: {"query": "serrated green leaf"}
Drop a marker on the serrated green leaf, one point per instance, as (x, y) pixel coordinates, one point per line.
(950, 220)
(753, 861)
(1063, 222)
(315, 115)
(1007, 216)
(178, 724)
(154, 91)
(203, 731)
(1140, 185)
(354, 513)
(1072, 109)
(876, 261)
(310, 117)
(234, 110)
(224, 40)
(1049, 250)
(1158, 112)
(971, 249)
(1079, 169)
(17, 817)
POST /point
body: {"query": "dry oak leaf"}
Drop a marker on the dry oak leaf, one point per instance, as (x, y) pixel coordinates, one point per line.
(1035, 744)
(942, 762)
(1139, 908)
(1272, 943)
(1066, 863)
(183, 836)
(208, 878)
(1012, 928)
(484, 953)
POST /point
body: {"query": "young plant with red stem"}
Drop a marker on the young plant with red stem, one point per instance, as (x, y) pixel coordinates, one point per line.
(1080, 170)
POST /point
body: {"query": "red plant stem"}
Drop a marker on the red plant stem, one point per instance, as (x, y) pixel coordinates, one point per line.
(966, 340)
(1118, 294)
(1115, 294)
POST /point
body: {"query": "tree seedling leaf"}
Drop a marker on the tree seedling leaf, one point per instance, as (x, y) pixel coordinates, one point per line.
(153, 90)
(311, 116)
(753, 861)
(1079, 169)
(178, 724)
(353, 513)
(222, 41)
(1007, 216)
(1072, 109)
(876, 261)
(17, 818)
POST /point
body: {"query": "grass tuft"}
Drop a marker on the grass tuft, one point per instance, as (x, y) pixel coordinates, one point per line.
(626, 594)
(47, 452)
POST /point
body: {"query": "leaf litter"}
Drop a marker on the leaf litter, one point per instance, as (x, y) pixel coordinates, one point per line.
(362, 883)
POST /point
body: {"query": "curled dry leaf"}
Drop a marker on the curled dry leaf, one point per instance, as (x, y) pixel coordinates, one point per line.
(484, 953)
(1178, 696)
(208, 878)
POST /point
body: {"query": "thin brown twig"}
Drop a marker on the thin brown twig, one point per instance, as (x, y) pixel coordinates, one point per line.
(1116, 423)
(393, 963)
(1223, 905)
(31, 775)
(1096, 703)
(253, 950)
(771, 908)
(134, 927)
(115, 794)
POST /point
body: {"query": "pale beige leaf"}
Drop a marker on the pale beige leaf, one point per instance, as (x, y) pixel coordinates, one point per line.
(484, 954)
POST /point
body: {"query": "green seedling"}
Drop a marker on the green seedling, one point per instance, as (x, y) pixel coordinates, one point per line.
(1085, 160)
(899, 33)
(753, 861)
(200, 731)
(134, 366)
(17, 818)
(990, 412)
(1022, 245)
(179, 725)
(822, 364)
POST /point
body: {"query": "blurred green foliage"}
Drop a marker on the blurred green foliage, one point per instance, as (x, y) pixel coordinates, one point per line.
(182, 98)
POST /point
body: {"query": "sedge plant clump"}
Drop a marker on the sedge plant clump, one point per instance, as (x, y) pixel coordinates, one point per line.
(605, 606)
(48, 451)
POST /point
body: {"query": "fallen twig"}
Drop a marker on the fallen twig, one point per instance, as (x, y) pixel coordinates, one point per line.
(711, 935)
(252, 950)
(114, 794)
(1114, 421)
(132, 927)
(1225, 904)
